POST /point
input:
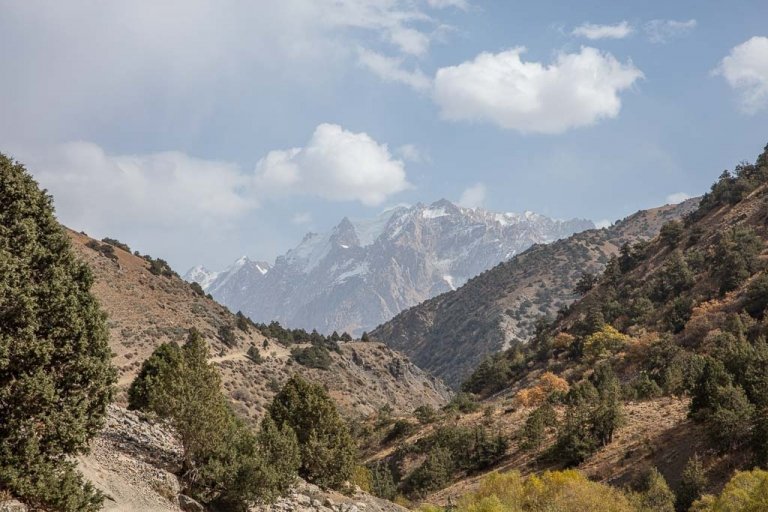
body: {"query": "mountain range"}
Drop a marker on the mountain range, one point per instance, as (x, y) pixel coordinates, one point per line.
(362, 273)
(452, 333)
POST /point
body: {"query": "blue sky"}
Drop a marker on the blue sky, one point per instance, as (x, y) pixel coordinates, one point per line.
(201, 130)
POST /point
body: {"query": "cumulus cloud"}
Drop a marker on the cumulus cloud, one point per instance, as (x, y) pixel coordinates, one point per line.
(745, 69)
(677, 197)
(165, 65)
(577, 89)
(390, 69)
(473, 196)
(335, 164)
(592, 31)
(96, 191)
(167, 189)
(663, 31)
(413, 153)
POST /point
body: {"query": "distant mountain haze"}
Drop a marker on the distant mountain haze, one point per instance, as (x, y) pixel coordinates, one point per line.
(365, 272)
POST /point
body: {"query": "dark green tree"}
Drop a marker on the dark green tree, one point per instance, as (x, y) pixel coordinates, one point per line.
(55, 373)
(608, 415)
(654, 493)
(693, 483)
(327, 451)
(166, 357)
(225, 465)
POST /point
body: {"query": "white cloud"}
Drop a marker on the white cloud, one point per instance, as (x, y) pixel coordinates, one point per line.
(604, 223)
(442, 4)
(592, 31)
(746, 71)
(301, 218)
(92, 188)
(390, 69)
(106, 193)
(577, 89)
(412, 153)
(473, 196)
(167, 65)
(335, 164)
(662, 31)
(677, 197)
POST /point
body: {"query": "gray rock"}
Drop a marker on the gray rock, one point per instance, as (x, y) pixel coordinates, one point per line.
(187, 504)
(13, 506)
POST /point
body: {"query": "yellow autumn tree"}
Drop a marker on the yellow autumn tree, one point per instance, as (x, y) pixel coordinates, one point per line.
(606, 341)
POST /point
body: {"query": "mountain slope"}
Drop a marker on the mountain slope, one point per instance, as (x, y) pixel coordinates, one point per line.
(145, 310)
(452, 333)
(667, 352)
(364, 272)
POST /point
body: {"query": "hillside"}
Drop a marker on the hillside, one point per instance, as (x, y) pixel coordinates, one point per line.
(662, 363)
(452, 333)
(145, 310)
(364, 272)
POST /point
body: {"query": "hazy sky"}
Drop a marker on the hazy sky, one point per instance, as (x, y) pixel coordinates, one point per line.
(201, 130)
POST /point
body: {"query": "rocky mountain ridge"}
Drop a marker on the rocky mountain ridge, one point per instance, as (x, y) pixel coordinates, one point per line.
(362, 273)
(452, 333)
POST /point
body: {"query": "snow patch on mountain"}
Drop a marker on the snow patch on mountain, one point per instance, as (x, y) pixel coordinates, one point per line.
(365, 271)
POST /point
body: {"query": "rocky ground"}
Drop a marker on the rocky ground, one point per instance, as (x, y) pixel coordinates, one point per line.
(134, 460)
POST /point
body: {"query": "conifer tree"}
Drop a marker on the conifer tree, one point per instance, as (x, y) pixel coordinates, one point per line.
(55, 372)
(327, 450)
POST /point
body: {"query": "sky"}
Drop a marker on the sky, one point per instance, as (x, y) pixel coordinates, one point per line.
(203, 130)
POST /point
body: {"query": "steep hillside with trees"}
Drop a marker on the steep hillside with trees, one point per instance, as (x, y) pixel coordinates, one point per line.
(147, 305)
(452, 333)
(662, 364)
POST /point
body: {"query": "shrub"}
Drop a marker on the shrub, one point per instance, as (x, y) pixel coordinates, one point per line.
(642, 387)
(116, 243)
(553, 490)
(254, 355)
(327, 450)
(462, 402)
(401, 428)
(747, 491)
(314, 356)
(55, 372)
(425, 414)
(242, 322)
(197, 289)
(159, 267)
(756, 298)
(227, 335)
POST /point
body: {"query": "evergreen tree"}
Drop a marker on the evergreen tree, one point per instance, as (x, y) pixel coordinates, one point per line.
(327, 450)
(692, 484)
(607, 416)
(165, 357)
(655, 495)
(55, 372)
(225, 465)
